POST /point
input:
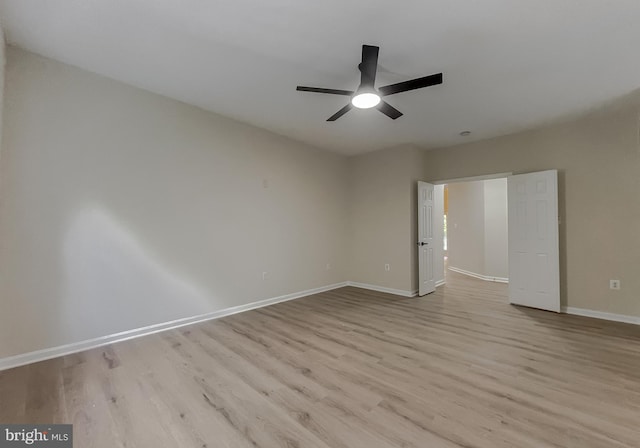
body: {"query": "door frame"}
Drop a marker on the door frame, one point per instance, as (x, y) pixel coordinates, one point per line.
(472, 178)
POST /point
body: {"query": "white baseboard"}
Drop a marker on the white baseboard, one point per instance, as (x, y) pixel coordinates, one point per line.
(440, 283)
(601, 315)
(54, 352)
(480, 276)
(398, 292)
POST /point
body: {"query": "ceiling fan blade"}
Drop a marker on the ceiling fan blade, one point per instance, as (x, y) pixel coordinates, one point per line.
(369, 65)
(413, 84)
(321, 90)
(388, 110)
(340, 113)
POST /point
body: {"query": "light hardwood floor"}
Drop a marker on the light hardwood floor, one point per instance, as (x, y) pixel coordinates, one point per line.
(351, 368)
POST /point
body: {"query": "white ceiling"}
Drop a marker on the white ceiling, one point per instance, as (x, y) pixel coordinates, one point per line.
(508, 64)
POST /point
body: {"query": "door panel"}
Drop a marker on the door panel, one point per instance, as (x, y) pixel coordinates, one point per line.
(426, 278)
(534, 278)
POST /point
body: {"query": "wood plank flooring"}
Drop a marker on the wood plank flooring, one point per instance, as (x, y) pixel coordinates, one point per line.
(351, 368)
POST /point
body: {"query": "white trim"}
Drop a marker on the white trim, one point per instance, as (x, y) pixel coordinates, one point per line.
(398, 292)
(601, 315)
(472, 178)
(480, 276)
(54, 352)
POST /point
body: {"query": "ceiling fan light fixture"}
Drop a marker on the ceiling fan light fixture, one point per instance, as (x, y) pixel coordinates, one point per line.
(367, 96)
(365, 100)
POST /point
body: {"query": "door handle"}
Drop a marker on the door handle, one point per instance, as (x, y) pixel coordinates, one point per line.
(422, 244)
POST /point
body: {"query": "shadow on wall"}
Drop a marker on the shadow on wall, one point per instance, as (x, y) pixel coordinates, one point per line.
(113, 283)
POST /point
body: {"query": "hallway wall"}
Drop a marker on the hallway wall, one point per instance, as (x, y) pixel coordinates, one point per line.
(477, 228)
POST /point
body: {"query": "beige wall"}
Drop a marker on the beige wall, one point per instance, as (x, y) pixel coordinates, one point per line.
(2, 70)
(5, 331)
(478, 227)
(477, 233)
(598, 158)
(466, 231)
(383, 217)
(496, 229)
(121, 209)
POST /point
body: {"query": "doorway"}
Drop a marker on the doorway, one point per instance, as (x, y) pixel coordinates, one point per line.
(500, 228)
(476, 242)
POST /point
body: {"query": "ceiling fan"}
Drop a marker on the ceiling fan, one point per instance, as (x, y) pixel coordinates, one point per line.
(367, 96)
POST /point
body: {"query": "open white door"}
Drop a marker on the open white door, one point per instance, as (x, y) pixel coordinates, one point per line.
(425, 239)
(534, 278)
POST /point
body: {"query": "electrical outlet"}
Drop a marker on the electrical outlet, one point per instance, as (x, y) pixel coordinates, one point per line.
(387, 267)
(265, 275)
(614, 284)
